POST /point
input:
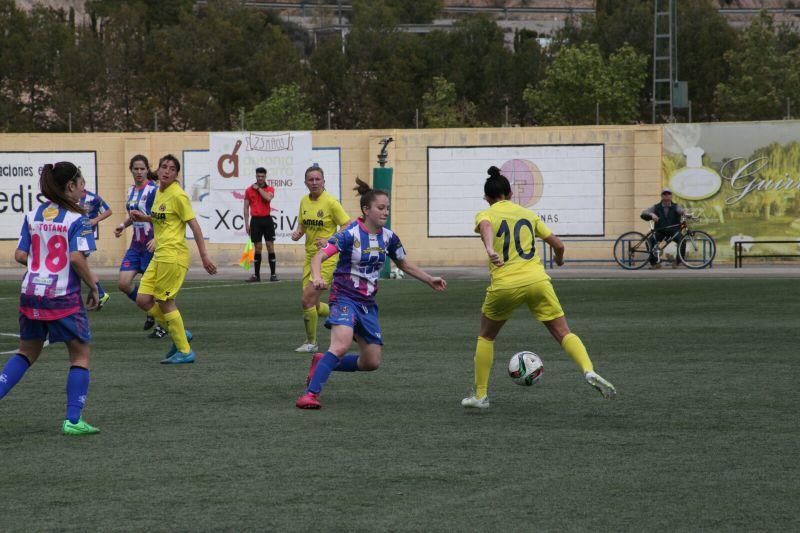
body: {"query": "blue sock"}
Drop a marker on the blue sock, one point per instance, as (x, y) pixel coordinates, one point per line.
(15, 368)
(100, 290)
(132, 295)
(323, 371)
(77, 388)
(349, 363)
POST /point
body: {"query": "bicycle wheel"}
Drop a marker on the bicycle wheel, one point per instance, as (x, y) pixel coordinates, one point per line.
(697, 249)
(631, 250)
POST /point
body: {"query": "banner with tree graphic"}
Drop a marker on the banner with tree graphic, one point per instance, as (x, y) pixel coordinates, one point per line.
(742, 181)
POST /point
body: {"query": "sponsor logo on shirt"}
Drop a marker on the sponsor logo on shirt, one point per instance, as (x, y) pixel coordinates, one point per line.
(162, 207)
(311, 222)
(42, 280)
(320, 213)
(50, 213)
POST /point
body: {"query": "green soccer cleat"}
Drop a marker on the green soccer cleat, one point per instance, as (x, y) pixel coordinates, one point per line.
(78, 428)
(103, 300)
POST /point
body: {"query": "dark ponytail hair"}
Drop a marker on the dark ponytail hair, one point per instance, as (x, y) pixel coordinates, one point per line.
(139, 157)
(53, 183)
(496, 185)
(367, 193)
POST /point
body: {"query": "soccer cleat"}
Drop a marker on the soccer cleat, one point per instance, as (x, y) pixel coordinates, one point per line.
(149, 322)
(103, 300)
(78, 428)
(309, 400)
(307, 347)
(174, 349)
(253, 279)
(179, 358)
(475, 403)
(158, 333)
(605, 387)
(314, 362)
(274, 277)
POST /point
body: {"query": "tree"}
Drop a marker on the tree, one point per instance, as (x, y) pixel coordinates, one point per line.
(416, 12)
(441, 108)
(285, 109)
(579, 79)
(758, 86)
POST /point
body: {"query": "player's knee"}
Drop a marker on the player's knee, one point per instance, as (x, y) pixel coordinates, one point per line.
(144, 301)
(124, 286)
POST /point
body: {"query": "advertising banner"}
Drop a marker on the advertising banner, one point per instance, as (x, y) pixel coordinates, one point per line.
(563, 184)
(741, 181)
(19, 183)
(221, 211)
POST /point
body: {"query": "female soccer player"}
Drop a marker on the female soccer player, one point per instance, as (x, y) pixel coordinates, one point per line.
(52, 245)
(137, 257)
(518, 277)
(363, 248)
(96, 210)
(319, 217)
(170, 214)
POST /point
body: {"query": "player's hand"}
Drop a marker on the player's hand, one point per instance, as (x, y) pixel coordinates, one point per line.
(151, 245)
(119, 230)
(255, 186)
(208, 264)
(654, 217)
(559, 259)
(495, 258)
(92, 299)
(438, 284)
(93, 222)
(296, 234)
(321, 242)
(138, 216)
(319, 284)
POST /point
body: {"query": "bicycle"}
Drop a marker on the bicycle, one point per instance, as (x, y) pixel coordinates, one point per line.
(696, 249)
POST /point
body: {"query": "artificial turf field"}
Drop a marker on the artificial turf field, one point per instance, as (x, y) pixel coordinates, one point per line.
(703, 434)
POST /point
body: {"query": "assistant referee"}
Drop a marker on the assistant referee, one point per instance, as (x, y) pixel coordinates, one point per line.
(259, 224)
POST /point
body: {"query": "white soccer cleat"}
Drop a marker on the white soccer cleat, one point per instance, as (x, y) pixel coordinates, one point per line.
(605, 387)
(475, 403)
(307, 347)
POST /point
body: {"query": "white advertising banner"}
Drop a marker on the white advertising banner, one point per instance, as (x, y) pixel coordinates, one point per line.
(19, 183)
(563, 184)
(221, 211)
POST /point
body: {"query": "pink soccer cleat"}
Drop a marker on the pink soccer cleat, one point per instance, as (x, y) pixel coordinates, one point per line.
(314, 361)
(308, 400)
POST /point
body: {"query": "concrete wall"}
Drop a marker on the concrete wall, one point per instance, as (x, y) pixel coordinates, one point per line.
(632, 180)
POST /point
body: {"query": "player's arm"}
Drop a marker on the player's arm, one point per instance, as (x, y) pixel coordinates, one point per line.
(21, 257)
(246, 215)
(118, 231)
(101, 217)
(208, 264)
(265, 193)
(80, 265)
(487, 236)
(316, 264)
(140, 216)
(558, 248)
(434, 282)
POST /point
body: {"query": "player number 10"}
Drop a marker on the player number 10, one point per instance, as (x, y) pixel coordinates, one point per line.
(505, 233)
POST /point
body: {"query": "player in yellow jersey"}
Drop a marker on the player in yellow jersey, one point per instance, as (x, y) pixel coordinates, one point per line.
(319, 218)
(163, 279)
(508, 233)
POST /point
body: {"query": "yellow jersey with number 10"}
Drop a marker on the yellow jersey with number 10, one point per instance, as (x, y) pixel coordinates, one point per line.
(320, 218)
(515, 230)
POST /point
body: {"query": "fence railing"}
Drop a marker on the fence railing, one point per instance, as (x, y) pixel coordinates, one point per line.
(738, 251)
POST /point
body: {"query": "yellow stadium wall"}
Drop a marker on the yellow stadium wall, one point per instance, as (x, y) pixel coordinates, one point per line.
(632, 181)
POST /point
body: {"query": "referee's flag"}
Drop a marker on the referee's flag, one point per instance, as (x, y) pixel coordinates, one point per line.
(248, 256)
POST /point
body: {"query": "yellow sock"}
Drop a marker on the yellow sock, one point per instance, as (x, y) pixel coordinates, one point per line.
(574, 347)
(156, 313)
(323, 310)
(176, 331)
(310, 320)
(484, 357)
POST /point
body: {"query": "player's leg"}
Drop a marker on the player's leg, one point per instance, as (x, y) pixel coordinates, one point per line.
(74, 332)
(27, 354)
(273, 262)
(341, 339)
(308, 303)
(257, 248)
(169, 285)
(328, 268)
(367, 332)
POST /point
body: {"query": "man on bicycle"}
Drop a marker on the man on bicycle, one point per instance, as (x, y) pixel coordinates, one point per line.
(667, 217)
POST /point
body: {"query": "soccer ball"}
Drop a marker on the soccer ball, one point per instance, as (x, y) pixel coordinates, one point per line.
(525, 368)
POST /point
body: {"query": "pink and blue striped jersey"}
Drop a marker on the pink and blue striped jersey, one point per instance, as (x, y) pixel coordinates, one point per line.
(141, 199)
(51, 289)
(94, 205)
(361, 257)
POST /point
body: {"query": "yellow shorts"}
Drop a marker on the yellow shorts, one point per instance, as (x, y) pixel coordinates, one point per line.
(328, 266)
(162, 280)
(540, 298)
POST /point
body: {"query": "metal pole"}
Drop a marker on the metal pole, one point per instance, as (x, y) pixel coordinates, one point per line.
(241, 117)
(416, 118)
(690, 110)
(155, 120)
(70, 121)
(329, 119)
(597, 113)
(506, 115)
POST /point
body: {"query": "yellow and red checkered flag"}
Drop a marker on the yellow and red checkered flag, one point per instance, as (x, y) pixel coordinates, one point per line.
(248, 256)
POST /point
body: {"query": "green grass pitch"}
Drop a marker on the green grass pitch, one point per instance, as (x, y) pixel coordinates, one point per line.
(703, 435)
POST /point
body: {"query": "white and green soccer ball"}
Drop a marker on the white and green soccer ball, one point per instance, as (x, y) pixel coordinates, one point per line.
(525, 368)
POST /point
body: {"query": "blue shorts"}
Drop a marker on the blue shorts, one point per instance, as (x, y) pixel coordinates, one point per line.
(361, 317)
(62, 330)
(135, 260)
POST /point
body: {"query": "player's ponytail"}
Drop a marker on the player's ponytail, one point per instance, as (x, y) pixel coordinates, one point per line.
(367, 193)
(53, 183)
(497, 185)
